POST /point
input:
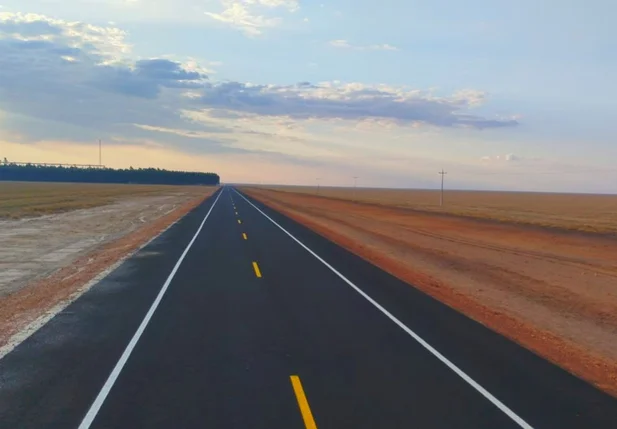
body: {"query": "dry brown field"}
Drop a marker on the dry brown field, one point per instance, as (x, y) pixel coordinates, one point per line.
(26, 199)
(581, 212)
(552, 290)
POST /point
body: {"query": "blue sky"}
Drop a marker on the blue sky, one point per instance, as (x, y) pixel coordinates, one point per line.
(503, 95)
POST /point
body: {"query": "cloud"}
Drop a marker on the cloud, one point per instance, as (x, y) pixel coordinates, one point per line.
(290, 5)
(106, 44)
(73, 82)
(76, 58)
(165, 70)
(508, 158)
(354, 101)
(344, 44)
(248, 15)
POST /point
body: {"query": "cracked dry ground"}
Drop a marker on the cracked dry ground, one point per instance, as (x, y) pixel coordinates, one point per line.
(555, 292)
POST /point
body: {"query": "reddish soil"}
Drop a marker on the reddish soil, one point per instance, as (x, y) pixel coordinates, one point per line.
(554, 292)
(24, 306)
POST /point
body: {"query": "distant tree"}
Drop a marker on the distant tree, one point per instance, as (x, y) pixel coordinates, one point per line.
(39, 173)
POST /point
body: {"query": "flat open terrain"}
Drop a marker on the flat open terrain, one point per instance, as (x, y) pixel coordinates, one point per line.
(580, 212)
(552, 290)
(85, 228)
(239, 317)
(23, 199)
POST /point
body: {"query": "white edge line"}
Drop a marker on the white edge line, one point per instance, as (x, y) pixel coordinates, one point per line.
(522, 423)
(98, 401)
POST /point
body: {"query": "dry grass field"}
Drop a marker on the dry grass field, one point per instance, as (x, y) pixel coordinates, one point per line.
(27, 199)
(550, 289)
(581, 212)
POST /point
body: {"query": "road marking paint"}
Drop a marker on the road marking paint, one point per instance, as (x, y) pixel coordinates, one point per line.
(305, 409)
(244, 236)
(100, 398)
(504, 408)
(239, 221)
(236, 213)
(256, 268)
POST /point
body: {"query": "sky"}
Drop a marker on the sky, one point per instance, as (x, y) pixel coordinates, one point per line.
(501, 95)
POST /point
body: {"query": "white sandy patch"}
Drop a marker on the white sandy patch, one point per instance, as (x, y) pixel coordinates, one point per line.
(40, 321)
(34, 248)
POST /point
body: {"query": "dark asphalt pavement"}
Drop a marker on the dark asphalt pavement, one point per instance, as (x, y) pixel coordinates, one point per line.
(213, 341)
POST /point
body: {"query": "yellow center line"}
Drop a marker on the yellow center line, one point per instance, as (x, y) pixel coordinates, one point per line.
(256, 268)
(239, 221)
(305, 409)
(244, 236)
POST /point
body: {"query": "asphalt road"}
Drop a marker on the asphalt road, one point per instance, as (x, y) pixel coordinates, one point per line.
(261, 323)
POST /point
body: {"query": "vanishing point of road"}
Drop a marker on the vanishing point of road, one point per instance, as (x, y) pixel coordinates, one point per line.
(239, 317)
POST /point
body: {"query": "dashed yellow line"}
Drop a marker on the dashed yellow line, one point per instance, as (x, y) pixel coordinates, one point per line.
(244, 236)
(305, 409)
(256, 268)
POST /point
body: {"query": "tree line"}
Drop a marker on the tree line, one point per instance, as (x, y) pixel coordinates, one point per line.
(150, 176)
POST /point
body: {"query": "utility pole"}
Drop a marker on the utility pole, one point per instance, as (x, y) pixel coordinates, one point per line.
(355, 185)
(318, 184)
(443, 173)
(100, 154)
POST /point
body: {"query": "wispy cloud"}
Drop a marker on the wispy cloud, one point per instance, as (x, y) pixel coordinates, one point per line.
(250, 16)
(344, 44)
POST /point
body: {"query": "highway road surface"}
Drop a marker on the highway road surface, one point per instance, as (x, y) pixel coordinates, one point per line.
(238, 317)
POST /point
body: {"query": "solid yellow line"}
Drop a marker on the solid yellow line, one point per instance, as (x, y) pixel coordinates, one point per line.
(256, 268)
(239, 221)
(244, 236)
(305, 410)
